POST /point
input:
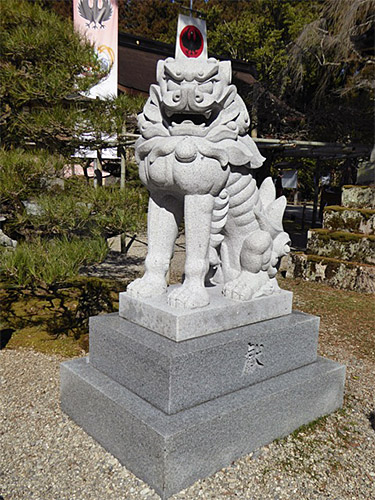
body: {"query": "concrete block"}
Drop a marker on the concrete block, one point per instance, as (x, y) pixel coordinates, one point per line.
(221, 314)
(170, 452)
(177, 375)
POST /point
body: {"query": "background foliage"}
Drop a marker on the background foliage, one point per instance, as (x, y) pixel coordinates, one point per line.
(314, 59)
(258, 31)
(59, 223)
(45, 69)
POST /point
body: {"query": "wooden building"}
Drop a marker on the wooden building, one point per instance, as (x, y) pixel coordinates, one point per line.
(138, 56)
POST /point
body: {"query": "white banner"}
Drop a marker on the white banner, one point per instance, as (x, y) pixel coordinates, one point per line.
(98, 21)
(289, 179)
(191, 38)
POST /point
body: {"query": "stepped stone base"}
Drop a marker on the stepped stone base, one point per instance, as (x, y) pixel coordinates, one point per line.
(355, 220)
(221, 314)
(177, 375)
(170, 452)
(342, 245)
(201, 388)
(334, 272)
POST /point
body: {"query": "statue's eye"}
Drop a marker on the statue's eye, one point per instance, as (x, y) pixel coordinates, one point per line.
(206, 87)
(171, 85)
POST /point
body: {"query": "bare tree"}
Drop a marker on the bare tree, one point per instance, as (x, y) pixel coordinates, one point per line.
(338, 47)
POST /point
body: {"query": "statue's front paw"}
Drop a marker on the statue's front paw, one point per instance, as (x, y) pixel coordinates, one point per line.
(146, 287)
(189, 296)
(246, 286)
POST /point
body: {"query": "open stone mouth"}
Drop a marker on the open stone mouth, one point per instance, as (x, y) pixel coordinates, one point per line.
(198, 119)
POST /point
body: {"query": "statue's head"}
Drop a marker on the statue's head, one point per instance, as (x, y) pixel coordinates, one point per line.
(194, 98)
(194, 93)
(193, 87)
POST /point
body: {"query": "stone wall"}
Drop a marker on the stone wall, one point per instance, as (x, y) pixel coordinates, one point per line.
(342, 254)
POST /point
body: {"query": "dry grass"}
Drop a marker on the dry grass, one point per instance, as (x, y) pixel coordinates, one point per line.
(347, 318)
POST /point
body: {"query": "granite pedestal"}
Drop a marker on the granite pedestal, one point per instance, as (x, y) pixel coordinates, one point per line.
(174, 376)
(221, 314)
(176, 411)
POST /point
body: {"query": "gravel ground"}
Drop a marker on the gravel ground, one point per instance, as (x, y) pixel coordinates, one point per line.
(44, 455)
(126, 267)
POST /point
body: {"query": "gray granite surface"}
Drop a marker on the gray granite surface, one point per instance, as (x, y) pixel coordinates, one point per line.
(177, 375)
(221, 314)
(170, 452)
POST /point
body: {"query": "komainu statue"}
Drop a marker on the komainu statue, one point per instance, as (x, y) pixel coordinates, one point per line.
(195, 158)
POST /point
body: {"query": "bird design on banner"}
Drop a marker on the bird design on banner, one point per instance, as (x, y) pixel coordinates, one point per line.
(95, 15)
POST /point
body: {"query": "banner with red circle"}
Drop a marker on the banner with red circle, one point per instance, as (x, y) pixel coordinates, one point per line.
(191, 38)
(191, 41)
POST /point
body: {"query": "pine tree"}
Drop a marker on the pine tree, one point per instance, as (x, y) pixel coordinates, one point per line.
(45, 67)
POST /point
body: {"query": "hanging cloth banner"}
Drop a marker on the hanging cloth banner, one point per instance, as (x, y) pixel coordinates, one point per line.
(290, 179)
(98, 20)
(191, 39)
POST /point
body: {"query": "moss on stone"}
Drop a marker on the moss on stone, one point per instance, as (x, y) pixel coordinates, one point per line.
(336, 222)
(58, 313)
(344, 219)
(343, 236)
(351, 186)
(366, 212)
(37, 338)
(332, 260)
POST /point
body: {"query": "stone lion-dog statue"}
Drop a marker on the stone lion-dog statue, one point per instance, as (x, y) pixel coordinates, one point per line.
(195, 158)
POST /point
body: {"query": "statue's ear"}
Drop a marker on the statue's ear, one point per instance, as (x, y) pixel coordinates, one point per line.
(226, 71)
(160, 70)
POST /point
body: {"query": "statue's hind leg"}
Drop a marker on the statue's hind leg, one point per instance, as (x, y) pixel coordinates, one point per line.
(164, 216)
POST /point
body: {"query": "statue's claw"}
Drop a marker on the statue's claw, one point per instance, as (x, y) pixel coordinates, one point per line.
(246, 286)
(189, 296)
(146, 287)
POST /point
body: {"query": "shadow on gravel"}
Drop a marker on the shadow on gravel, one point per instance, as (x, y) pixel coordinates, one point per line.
(135, 261)
(371, 417)
(5, 336)
(117, 266)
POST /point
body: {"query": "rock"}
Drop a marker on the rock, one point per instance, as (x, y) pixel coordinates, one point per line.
(115, 243)
(342, 245)
(342, 254)
(334, 272)
(5, 241)
(358, 196)
(32, 208)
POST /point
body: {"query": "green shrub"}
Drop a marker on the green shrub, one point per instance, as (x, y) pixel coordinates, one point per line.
(82, 210)
(45, 64)
(23, 173)
(49, 261)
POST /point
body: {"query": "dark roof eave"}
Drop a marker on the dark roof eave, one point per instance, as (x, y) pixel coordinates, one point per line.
(167, 50)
